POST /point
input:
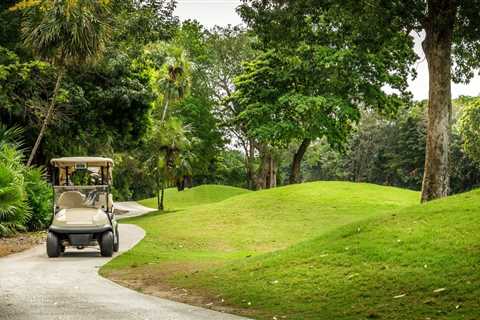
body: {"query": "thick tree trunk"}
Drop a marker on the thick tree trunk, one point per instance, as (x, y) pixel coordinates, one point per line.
(297, 162)
(48, 117)
(272, 174)
(438, 50)
(263, 170)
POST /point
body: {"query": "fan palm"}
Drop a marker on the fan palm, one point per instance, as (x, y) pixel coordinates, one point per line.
(63, 32)
(175, 78)
(167, 142)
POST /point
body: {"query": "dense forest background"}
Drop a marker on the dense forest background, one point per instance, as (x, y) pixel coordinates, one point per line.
(162, 100)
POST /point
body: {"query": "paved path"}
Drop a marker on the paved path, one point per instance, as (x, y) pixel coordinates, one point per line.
(131, 209)
(33, 287)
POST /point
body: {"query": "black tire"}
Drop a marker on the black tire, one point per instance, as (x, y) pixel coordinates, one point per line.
(116, 244)
(106, 244)
(53, 245)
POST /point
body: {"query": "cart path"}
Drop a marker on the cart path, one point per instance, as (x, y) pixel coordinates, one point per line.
(131, 209)
(33, 286)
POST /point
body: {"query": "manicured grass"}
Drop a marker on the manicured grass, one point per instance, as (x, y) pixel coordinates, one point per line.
(421, 262)
(175, 200)
(239, 249)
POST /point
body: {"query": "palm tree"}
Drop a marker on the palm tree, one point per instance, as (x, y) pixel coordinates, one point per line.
(63, 32)
(165, 147)
(175, 77)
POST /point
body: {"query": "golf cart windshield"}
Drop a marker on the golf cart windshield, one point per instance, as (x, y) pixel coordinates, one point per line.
(82, 182)
(70, 197)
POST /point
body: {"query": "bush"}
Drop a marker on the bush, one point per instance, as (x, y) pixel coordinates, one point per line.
(14, 210)
(39, 197)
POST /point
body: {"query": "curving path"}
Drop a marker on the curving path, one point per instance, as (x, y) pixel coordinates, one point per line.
(33, 286)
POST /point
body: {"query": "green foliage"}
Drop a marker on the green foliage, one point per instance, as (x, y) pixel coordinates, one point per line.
(469, 127)
(25, 195)
(230, 169)
(282, 103)
(39, 199)
(13, 210)
(66, 32)
(139, 22)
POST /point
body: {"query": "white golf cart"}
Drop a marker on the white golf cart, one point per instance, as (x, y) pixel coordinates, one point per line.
(83, 206)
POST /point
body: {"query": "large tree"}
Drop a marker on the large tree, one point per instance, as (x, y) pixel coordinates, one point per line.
(320, 74)
(64, 33)
(451, 43)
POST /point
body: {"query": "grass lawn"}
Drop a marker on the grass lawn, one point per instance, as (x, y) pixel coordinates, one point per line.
(284, 252)
(175, 200)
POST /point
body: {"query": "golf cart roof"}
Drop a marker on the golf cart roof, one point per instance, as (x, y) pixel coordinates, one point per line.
(89, 161)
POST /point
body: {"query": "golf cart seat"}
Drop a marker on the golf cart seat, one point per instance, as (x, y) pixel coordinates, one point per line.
(70, 199)
(102, 201)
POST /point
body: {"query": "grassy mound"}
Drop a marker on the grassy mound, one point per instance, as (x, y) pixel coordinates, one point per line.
(421, 262)
(259, 250)
(175, 200)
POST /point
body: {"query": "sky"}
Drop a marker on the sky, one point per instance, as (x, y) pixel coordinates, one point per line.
(222, 12)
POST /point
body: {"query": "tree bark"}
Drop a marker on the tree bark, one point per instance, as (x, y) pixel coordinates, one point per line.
(48, 117)
(161, 206)
(438, 50)
(297, 161)
(263, 170)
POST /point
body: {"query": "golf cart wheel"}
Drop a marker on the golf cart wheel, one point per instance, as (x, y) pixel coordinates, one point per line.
(53, 245)
(116, 244)
(106, 244)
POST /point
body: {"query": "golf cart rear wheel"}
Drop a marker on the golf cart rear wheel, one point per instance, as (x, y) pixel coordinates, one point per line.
(116, 244)
(53, 245)
(106, 244)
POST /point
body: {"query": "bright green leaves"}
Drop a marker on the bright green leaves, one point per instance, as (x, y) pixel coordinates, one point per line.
(470, 129)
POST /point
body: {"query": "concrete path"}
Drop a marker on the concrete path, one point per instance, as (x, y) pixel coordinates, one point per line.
(130, 209)
(33, 287)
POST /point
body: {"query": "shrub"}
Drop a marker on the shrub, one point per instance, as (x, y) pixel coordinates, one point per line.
(14, 210)
(39, 198)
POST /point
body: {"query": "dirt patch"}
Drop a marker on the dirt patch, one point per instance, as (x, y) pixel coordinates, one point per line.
(20, 242)
(153, 280)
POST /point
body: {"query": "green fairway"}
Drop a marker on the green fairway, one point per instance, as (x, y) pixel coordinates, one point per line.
(226, 249)
(175, 200)
(418, 263)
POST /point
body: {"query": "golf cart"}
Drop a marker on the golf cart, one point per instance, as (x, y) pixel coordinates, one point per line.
(83, 206)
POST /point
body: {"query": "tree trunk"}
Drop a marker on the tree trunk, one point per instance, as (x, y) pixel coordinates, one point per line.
(263, 170)
(50, 112)
(165, 108)
(297, 161)
(272, 173)
(161, 206)
(438, 49)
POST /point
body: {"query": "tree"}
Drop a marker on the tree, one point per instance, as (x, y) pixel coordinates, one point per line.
(164, 148)
(64, 33)
(469, 128)
(451, 42)
(319, 77)
(285, 100)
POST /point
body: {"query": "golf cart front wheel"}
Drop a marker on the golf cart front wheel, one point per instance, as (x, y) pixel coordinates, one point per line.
(53, 245)
(106, 244)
